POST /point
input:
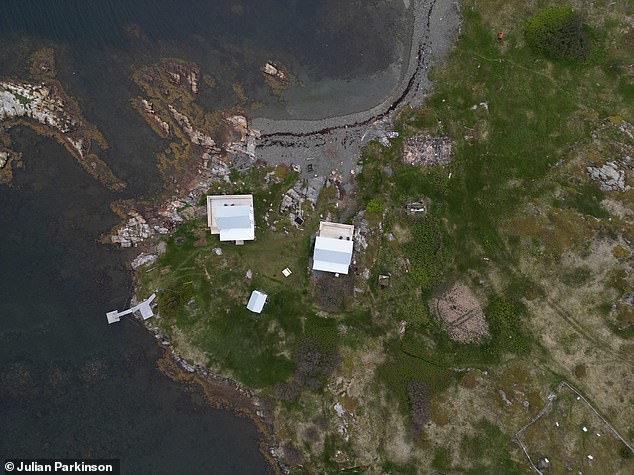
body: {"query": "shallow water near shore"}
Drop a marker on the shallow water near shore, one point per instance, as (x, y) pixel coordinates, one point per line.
(71, 385)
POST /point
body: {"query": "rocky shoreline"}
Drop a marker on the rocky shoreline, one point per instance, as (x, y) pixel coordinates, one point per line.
(222, 393)
(42, 104)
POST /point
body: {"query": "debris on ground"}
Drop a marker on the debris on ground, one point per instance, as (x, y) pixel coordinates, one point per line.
(302, 191)
(418, 208)
(427, 150)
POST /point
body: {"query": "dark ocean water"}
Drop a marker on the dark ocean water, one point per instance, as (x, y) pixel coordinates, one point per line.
(71, 385)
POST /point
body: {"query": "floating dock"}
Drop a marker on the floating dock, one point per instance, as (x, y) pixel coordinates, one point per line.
(144, 309)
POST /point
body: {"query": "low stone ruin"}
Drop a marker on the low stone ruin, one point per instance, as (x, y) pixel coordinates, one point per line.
(418, 208)
(425, 150)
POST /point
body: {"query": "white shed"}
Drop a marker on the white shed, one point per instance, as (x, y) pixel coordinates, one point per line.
(257, 301)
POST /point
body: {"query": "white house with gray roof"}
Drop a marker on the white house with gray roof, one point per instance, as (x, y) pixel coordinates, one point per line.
(333, 247)
(231, 217)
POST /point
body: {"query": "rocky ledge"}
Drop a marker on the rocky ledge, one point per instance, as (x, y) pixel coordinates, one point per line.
(44, 106)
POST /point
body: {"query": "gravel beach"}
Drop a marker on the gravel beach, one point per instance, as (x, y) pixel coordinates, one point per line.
(334, 143)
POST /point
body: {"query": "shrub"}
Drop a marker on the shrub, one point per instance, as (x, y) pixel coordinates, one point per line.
(557, 32)
(374, 206)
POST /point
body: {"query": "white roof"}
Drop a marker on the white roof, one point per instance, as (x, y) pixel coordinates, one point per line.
(332, 255)
(231, 216)
(256, 301)
(235, 222)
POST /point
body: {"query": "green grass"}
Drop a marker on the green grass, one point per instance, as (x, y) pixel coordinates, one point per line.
(488, 451)
(203, 296)
(527, 130)
(25, 101)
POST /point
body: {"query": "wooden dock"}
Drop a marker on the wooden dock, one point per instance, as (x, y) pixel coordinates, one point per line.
(144, 309)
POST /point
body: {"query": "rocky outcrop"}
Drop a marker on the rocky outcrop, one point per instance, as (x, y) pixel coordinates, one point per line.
(35, 101)
(215, 165)
(161, 126)
(47, 109)
(135, 230)
(143, 259)
(195, 136)
(612, 175)
(276, 72)
(181, 73)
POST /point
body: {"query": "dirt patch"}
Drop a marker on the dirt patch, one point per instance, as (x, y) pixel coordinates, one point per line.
(330, 292)
(461, 314)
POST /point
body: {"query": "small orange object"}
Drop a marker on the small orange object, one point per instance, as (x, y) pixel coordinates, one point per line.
(500, 35)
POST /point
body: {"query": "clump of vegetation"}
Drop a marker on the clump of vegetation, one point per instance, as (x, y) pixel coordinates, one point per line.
(557, 32)
(506, 325)
(374, 206)
(429, 252)
(174, 298)
(314, 363)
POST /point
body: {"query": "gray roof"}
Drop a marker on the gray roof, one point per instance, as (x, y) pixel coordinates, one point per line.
(338, 257)
(233, 217)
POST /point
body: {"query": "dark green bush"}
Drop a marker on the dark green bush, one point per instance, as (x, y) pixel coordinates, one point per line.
(557, 32)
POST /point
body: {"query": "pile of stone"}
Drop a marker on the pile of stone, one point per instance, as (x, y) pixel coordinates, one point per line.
(427, 150)
(302, 190)
(612, 175)
(135, 230)
(361, 232)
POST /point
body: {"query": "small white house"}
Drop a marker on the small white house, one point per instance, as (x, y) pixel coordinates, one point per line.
(231, 217)
(333, 247)
(257, 301)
